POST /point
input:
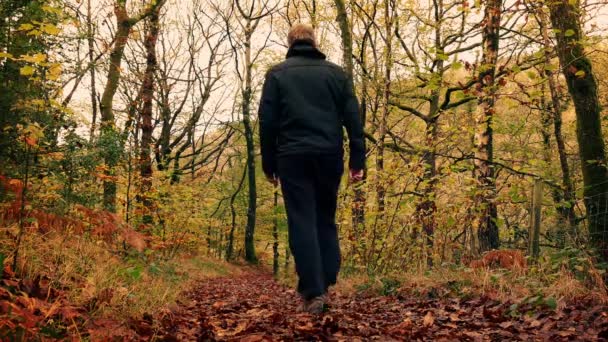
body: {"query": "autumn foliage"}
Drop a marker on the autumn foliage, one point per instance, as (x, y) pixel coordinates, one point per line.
(130, 170)
(508, 259)
(28, 306)
(98, 223)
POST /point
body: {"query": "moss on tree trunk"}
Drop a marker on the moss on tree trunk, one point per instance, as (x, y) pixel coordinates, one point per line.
(577, 69)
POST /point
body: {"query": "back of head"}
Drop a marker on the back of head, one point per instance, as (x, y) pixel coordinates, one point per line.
(301, 33)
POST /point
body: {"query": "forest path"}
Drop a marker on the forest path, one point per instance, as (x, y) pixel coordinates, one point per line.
(254, 307)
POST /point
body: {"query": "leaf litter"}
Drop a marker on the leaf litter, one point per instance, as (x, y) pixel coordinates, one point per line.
(253, 307)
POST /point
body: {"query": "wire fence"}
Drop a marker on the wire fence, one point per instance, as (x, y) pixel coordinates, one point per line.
(597, 221)
(588, 228)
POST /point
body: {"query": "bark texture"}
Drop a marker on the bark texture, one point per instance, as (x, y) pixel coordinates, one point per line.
(582, 86)
(486, 211)
(146, 115)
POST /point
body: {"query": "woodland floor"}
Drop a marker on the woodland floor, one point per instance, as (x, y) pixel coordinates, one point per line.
(253, 307)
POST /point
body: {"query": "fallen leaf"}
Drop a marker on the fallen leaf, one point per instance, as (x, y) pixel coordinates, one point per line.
(218, 305)
(402, 327)
(257, 337)
(506, 325)
(428, 319)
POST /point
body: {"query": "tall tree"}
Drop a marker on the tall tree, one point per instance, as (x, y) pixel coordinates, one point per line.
(248, 18)
(358, 207)
(565, 210)
(577, 69)
(485, 199)
(109, 137)
(382, 120)
(431, 94)
(186, 87)
(345, 36)
(146, 113)
(92, 70)
(24, 46)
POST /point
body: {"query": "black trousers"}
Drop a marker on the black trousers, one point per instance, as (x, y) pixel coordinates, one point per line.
(310, 190)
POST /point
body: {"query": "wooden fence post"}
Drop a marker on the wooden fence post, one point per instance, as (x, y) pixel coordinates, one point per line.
(535, 222)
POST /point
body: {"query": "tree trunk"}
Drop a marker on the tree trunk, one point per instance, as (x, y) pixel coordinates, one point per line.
(382, 125)
(92, 71)
(230, 248)
(358, 206)
(546, 120)
(470, 220)
(146, 116)
(486, 211)
(426, 208)
(252, 202)
(162, 149)
(346, 36)
(22, 197)
(108, 133)
(566, 210)
(582, 86)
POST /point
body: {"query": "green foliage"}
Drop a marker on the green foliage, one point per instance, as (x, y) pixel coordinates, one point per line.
(75, 169)
(532, 304)
(134, 272)
(576, 261)
(460, 287)
(390, 286)
(28, 79)
(384, 286)
(364, 287)
(513, 310)
(54, 329)
(111, 145)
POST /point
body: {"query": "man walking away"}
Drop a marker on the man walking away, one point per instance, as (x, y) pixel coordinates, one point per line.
(305, 103)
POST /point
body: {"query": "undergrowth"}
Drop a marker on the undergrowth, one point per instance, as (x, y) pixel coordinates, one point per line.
(106, 280)
(556, 279)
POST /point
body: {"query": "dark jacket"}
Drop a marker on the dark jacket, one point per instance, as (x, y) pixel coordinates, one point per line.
(305, 102)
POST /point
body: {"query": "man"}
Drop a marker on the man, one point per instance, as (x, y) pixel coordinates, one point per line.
(305, 102)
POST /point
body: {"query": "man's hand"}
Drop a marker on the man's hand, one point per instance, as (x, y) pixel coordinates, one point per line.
(273, 179)
(356, 175)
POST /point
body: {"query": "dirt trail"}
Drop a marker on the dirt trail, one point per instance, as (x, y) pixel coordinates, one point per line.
(253, 307)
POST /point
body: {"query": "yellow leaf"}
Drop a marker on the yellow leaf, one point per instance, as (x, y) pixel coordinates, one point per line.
(38, 102)
(51, 9)
(5, 55)
(34, 33)
(36, 131)
(55, 155)
(54, 72)
(25, 27)
(27, 70)
(50, 29)
(37, 58)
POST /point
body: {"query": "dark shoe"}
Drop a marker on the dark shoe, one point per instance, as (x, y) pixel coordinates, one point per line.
(316, 305)
(313, 306)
